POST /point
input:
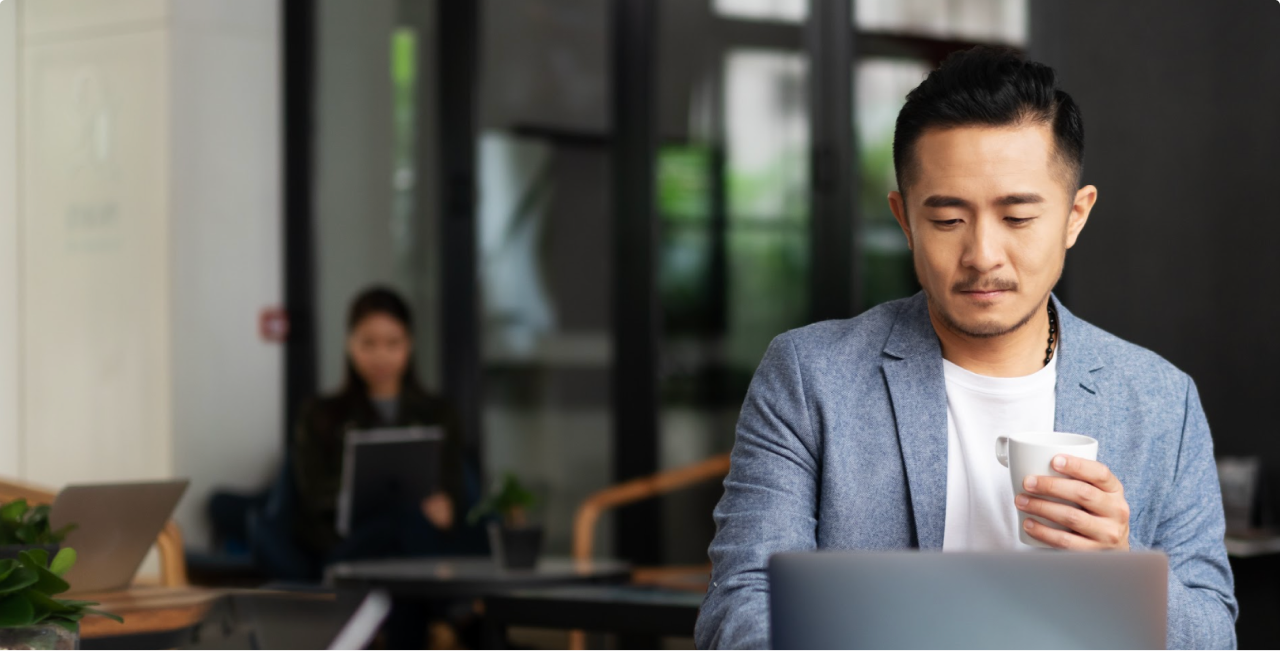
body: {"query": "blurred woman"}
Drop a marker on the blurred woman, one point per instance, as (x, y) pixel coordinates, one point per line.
(381, 389)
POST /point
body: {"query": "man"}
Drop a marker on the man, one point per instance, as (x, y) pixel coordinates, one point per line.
(878, 432)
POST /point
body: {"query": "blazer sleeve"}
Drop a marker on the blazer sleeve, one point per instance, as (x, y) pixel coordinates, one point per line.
(769, 503)
(1202, 603)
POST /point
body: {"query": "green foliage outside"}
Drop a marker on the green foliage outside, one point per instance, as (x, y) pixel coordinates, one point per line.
(28, 586)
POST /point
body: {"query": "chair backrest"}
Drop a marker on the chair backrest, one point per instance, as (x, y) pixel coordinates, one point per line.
(173, 564)
(636, 490)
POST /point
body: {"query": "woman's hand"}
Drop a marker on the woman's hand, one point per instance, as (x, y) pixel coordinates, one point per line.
(438, 510)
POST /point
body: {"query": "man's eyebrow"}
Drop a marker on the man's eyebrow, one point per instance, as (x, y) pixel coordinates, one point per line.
(1018, 199)
(943, 201)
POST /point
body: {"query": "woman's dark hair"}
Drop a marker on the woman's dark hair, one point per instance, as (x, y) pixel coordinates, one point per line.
(378, 300)
(989, 86)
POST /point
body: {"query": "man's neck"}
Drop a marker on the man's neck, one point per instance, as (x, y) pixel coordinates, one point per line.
(1014, 354)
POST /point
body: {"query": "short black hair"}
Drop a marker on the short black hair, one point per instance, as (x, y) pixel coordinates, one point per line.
(989, 86)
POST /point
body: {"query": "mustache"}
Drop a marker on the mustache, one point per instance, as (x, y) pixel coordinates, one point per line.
(985, 285)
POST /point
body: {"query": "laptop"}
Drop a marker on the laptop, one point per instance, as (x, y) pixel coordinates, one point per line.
(383, 467)
(116, 525)
(999, 600)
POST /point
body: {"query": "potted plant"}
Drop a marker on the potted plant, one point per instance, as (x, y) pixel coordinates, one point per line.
(515, 542)
(23, 527)
(31, 568)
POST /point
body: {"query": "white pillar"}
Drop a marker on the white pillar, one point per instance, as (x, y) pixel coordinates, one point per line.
(144, 240)
(10, 397)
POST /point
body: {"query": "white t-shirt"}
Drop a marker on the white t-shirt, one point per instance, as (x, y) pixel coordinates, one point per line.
(980, 512)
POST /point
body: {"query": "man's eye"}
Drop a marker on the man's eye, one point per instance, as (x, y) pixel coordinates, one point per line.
(1018, 221)
(946, 222)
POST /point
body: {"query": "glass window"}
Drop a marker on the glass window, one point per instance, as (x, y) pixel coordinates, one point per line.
(881, 89)
(545, 255)
(1002, 21)
(780, 10)
(767, 153)
(729, 282)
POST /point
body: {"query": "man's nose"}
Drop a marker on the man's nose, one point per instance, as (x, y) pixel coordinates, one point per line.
(984, 249)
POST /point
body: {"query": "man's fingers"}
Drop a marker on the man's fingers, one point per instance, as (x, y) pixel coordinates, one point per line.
(1059, 539)
(1087, 471)
(1104, 531)
(1087, 496)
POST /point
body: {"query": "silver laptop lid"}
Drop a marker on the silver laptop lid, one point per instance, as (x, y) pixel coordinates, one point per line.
(1004, 600)
(116, 524)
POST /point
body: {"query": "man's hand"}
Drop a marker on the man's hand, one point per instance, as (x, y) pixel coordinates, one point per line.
(1102, 522)
(438, 509)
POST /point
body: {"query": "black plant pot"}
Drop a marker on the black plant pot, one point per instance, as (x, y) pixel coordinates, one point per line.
(515, 548)
(11, 551)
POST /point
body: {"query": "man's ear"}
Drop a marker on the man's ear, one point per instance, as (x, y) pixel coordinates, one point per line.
(899, 207)
(1080, 209)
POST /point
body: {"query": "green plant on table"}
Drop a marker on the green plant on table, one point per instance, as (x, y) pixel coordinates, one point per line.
(510, 501)
(21, 524)
(27, 588)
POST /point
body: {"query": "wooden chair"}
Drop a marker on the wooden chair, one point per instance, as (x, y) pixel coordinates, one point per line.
(173, 565)
(692, 577)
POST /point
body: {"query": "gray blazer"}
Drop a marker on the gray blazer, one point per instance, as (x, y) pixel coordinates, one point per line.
(842, 444)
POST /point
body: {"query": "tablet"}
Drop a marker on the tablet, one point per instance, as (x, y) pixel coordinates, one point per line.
(383, 467)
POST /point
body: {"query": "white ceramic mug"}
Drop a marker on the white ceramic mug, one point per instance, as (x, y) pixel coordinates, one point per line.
(1031, 453)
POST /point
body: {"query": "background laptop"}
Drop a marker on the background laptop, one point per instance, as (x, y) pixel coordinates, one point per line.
(116, 525)
(929, 600)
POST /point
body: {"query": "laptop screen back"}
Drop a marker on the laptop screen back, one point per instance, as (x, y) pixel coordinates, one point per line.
(915, 600)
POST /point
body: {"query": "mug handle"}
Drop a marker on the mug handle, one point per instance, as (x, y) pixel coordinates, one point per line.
(1002, 450)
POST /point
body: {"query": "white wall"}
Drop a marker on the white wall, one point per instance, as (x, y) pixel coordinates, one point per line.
(140, 237)
(226, 249)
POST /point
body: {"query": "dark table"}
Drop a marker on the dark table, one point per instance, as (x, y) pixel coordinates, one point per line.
(628, 610)
(469, 577)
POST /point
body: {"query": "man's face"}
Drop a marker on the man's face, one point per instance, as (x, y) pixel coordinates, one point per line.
(989, 221)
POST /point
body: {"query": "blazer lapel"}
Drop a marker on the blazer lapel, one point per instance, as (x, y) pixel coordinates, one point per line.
(1079, 408)
(918, 391)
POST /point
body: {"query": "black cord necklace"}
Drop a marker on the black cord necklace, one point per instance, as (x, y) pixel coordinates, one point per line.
(1053, 333)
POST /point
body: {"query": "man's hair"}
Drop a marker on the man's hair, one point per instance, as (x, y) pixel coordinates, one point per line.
(993, 87)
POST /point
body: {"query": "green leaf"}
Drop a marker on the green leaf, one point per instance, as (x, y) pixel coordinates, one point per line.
(41, 606)
(26, 533)
(35, 557)
(13, 511)
(76, 605)
(16, 610)
(40, 512)
(63, 561)
(21, 578)
(7, 567)
(61, 534)
(68, 624)
(111, 616)
(73, 616)
(49, 583)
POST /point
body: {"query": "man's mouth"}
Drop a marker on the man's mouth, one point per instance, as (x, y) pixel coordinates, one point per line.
(985, 294)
